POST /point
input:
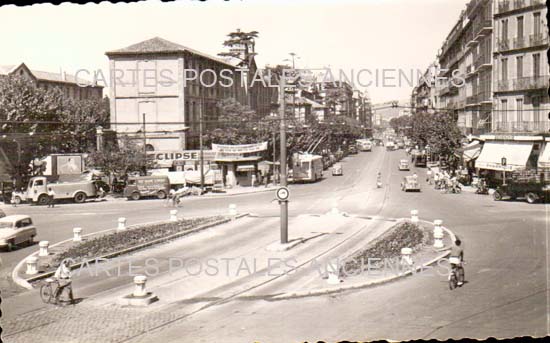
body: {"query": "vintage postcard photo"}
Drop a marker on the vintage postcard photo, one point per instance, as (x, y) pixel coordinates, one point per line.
(274, 171)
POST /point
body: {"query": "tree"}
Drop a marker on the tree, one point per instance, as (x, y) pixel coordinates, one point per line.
(241, 45)
(128, 156)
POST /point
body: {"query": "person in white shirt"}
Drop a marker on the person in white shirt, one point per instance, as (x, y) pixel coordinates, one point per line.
(63, 275)
(51, 197)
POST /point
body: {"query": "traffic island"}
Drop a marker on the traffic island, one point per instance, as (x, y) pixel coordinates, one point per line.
(100, 246)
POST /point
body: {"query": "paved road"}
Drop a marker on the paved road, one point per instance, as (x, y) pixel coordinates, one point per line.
(506, 246)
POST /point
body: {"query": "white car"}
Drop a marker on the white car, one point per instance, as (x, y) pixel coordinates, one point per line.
(337, 170)
(15, 230)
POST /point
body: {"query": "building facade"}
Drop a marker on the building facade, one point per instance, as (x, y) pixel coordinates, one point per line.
(71, 86)
(521, 71)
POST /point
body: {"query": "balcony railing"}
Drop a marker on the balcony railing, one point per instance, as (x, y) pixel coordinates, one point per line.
(503, 44)
(520, 42)
(530, 83)
(538, 39)
(519, 4)
(504, 85)
(482, 60)
(521, 126)
(471, 100)
(482, 25)
(503, 6)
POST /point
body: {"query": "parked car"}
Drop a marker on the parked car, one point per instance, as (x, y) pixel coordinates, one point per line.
(337, 170)
(353, 149)
(15, 230)
(404, 164)
(390, 146)
(147, 186)
(532, 192)
(410, 183)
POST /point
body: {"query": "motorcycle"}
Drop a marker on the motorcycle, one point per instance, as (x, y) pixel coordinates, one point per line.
(482, 187)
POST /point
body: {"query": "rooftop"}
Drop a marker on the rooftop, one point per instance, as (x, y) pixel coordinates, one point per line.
(44, 75)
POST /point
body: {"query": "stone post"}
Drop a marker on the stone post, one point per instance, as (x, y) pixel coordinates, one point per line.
(140, 290)
(43, 248)
(32, 265)
(77, 237)
(121, 223)
(438, 234)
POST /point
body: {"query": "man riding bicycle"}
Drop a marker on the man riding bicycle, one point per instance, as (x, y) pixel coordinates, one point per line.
(456, 259)
(63, 275)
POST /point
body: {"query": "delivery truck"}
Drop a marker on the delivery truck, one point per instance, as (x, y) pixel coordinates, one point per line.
(38, 186)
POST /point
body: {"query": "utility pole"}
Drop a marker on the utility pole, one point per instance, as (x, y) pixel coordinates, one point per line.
(283, 181)
(200, 144)
(274, 154)
(144, 146)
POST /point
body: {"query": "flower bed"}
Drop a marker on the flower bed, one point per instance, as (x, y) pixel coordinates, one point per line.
(117, 241)
(389, 245)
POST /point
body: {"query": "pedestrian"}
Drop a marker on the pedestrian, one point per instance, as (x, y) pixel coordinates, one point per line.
(429, 176)
(51, 197)
(253, 180)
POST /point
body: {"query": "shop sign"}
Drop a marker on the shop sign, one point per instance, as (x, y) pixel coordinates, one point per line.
(240, 148)
(183, 155)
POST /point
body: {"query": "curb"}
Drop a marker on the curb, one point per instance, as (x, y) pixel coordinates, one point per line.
(26, 284)
(325, 291)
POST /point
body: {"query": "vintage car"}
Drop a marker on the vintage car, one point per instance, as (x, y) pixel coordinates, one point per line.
(15, 230)
(337, 170)
(404, 164)
(532, 192)
(410, 183)
(352, 149)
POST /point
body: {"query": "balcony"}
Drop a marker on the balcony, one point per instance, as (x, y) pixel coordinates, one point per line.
(482, 61)
(538, 40)
(530, 83)
(503, 6)
(518, 4)
(520, 42)
(503, 44)
(521, 126)
(471, 100)
(482, 27)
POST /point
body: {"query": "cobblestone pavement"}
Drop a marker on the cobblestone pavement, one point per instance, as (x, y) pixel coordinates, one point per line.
(82, 323)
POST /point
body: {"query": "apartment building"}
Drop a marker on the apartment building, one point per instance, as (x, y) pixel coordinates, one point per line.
(521, 67)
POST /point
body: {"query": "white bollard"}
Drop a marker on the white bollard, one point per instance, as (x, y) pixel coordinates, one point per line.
(438, 234)
(174, 215)
(406, 256)
(233, 210)
(43, 248)
(334, 211)
(333, 273)
(32, 265)
(414, 216)
(77, 237)
(121, 223)
(140, 290)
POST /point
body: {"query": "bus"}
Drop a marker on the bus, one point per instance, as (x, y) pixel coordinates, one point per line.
(307, 167)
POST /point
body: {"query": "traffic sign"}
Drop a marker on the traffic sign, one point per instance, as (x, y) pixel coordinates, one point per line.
(503, 161)
(283, 194)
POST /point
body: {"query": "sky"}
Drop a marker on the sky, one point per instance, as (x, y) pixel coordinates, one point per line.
(348, 35)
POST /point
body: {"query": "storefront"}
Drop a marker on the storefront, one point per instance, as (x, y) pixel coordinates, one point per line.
(498, 159)
(239, 163)
(181, 160)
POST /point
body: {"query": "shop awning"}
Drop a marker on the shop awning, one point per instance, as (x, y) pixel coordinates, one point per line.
(246, 167)
(516, 154)
(544, 158)
(471, 151)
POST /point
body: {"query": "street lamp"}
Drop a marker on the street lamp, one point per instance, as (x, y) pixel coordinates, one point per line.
(294, 56)
(144, 136)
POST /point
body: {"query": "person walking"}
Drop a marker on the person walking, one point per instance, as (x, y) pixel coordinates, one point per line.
(429, 176)
(51, 197)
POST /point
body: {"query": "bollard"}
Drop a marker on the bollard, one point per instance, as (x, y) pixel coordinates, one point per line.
(334, 211)
(43, 248)
(414, 216)
(406, 256)
(32, 265)
(233, 210)
(139, 290)
(121, 223)
(77, 234)
(174, 215)
(438, 234)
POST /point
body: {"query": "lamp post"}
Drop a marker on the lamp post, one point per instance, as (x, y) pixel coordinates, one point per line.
(294, 56)
(282, 171)
(200, 145)
(144, 135)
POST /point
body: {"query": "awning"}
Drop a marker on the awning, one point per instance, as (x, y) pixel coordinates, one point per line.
(516, 154)
(544, 158)
(246, 167)
(471, 151)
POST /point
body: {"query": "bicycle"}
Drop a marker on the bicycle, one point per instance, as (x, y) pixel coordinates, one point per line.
(48, 290)
(457, 273)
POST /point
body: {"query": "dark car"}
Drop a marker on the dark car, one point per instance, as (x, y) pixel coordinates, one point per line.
(352, 149)
(532, 192)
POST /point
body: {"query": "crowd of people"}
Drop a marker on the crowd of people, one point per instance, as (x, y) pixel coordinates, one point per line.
(444, 180)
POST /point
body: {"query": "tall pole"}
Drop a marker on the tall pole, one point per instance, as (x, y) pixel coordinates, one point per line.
(294, 90)
(283, 204)
(200, 144)
(274, 155)
(144, 146)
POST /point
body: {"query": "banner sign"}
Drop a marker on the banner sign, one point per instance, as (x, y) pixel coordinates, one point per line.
(183, 155)
(239, 149)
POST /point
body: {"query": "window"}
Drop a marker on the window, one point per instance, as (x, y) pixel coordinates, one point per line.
(39, 183)
(520, 28)
(504, 110)
(504, 75)
(504, 31)
(536, 65)
(536, 24)
(519, 110)
(519, 66)
(536, 109)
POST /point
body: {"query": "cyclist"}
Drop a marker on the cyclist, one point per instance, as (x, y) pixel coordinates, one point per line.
(379, 180)
(63, 275)
(456, 259)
